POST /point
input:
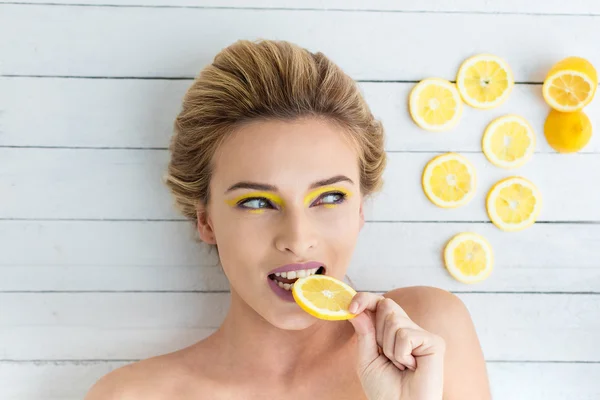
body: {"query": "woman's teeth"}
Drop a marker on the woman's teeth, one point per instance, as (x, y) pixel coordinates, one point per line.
(301, 273)
(286, 286)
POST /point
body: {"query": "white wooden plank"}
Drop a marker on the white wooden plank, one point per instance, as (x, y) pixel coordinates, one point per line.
(162, 256)
(575, 7)
(509, 381)
(64, 112)
(51, 380)
(563, 182)
(127, 184)
(72, 326)
(368, 45)
(91, 326)
(140, 113)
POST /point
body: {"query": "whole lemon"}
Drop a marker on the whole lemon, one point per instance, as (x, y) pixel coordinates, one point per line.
(567, 132)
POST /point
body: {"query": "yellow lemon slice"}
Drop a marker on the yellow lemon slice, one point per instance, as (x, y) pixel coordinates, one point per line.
(324, 297)
(567, 132)
(449, 180)
(484, 81)
(435, 104)
(514, 203)
(570, 84)
(509, 141)
(468, 257)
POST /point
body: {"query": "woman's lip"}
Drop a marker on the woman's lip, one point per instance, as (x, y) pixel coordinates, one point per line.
(296, 267)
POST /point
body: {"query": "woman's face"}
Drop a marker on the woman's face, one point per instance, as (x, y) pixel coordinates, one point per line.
(283, 193)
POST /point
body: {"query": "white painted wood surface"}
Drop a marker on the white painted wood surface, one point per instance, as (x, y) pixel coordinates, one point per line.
(575, 7)
(139, 113)
(97, 270)
(67, 380)
(155, 42)
(106, 256)
(127, 184)
(87, 326)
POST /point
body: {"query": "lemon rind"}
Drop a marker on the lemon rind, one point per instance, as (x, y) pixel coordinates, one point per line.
(559, 107)
(427, 175)
(462, 90)
(489, 154)
(566, 149)
(324, 314)
(412, 105)
(454, 271)
(491, 210)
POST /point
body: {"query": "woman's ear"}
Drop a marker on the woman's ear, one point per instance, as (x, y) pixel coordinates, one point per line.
(205, 229)
(361, 212)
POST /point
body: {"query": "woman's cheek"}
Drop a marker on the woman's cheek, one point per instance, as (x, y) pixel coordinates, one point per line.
(338, 222)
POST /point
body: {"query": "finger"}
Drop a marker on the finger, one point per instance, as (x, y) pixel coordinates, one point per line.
(389, 339)
(407, 340)
(427, 344)
(364, 301)
(384, 310)
(367, 344)
(386, 307)
(397, 345)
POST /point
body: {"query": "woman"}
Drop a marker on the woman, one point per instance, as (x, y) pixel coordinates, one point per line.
(273, 156)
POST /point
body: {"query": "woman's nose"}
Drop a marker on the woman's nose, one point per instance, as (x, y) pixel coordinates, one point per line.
(296, 234)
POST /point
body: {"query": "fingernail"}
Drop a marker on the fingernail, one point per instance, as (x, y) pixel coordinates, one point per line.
(353, 308)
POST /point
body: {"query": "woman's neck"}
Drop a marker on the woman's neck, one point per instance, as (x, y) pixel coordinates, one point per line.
(249, 345)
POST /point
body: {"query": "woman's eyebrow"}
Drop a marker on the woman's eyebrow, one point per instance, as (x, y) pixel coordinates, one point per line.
(331, 181)
(271, 188)
(253, 186)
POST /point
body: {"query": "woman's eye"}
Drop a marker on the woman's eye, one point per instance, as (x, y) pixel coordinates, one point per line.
(255, 203)
(331, 198)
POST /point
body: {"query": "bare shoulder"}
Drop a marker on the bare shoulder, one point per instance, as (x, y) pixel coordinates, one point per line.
(157, 378)
(434, 309)
(444, 314)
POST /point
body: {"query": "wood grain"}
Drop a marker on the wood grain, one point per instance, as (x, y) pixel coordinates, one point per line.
(155, 42)
(514, 381)
(87, 326)
(127, 184)
(163, 256)
(140, 113)
(577, 7)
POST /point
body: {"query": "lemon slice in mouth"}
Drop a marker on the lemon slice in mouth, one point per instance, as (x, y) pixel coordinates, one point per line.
(324, 297)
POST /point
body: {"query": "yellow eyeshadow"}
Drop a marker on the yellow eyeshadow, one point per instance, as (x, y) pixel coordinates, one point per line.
(312, 196)
(256, 211)
(269, 196)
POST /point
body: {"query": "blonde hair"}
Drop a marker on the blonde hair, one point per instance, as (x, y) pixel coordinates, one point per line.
(266, 79)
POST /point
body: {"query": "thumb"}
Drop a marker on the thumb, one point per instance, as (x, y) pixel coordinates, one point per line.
(367, 339)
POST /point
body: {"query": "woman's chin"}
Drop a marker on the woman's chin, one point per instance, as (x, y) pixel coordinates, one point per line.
(294, 320)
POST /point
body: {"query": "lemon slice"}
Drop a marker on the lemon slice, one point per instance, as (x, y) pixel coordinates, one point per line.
(435, 104)
(468, 257)
(514, 203)
(324, 297)
(449, 180)
(509, 141)
(570, 84)
(567, 132)
(484, 81)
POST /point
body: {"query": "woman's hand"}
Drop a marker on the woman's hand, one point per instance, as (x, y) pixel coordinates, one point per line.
(397, 359)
